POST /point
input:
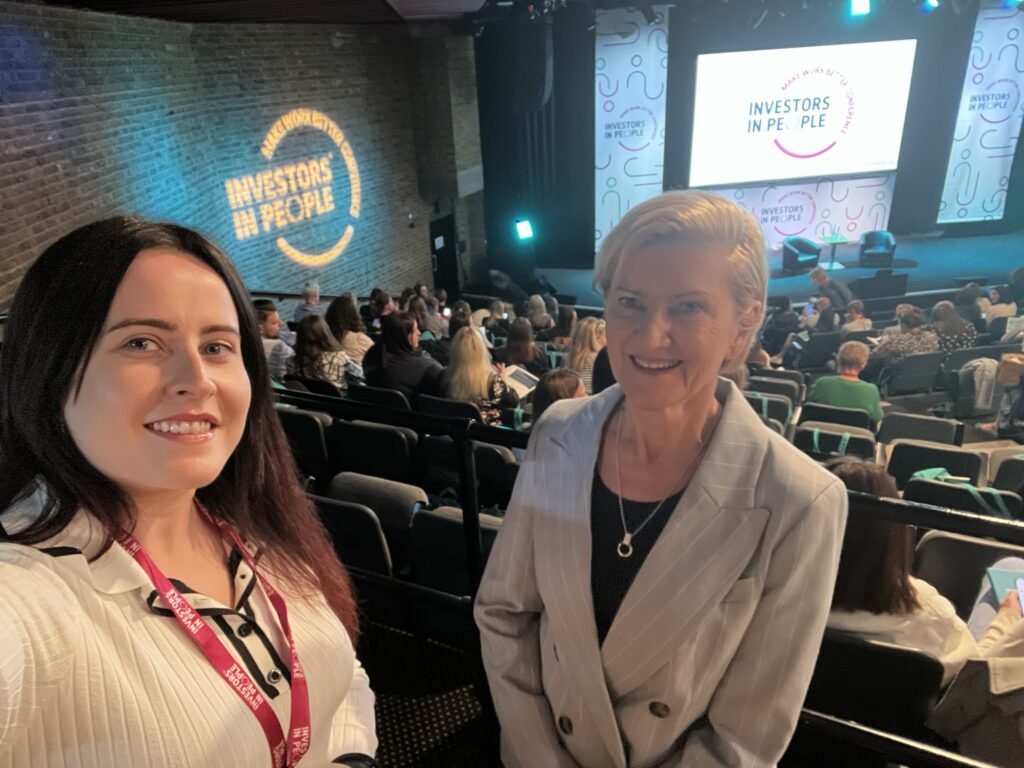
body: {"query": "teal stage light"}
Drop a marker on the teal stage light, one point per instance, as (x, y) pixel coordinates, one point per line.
(524, 229)
(1011, 5)
(860, 7)
(929, 5)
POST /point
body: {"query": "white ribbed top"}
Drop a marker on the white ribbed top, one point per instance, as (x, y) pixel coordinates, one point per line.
(95, 673)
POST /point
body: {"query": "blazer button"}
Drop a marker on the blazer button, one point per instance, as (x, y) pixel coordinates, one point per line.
(274, 677)
(659, 709)
(565, 725)
(245, 630)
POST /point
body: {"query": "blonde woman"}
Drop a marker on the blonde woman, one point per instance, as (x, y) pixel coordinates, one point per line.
(537, 313)
(587, 340)
(660, 585)
(470, 377)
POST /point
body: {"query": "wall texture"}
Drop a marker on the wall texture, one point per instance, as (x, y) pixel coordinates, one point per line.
(101, 115)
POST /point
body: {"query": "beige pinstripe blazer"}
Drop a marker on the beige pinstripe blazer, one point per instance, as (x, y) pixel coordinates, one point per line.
(709, 657)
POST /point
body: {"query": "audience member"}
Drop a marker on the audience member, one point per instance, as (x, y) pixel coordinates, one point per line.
(442, 300)
(366, 310)
(521, 350)
(782, 322)
(953, 331)
(497, 318)
(470, 378)
(439, 348)
(560, 334)
(971, 304)
(757, 357)
(901, 309)
(1002, 304)
(559, 384)
(538, 314)
(437, 323)
(912, 339)
(381, 306)
(587, 340)
(311, 302)
(396, 361)
(846, 390)
(876, 597)
(347, 327)
(403, 300)
(604, 376)
(112, 492)
(422, 290)
(417, 307)
(855, 320)
(1016, 286)
(274, 348)
(822, 318)
(318, 355)
(837, 293)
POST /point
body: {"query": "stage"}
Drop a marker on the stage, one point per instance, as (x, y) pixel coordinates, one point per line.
(932, 263)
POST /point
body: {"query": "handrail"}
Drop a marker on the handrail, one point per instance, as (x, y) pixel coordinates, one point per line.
(896, 749)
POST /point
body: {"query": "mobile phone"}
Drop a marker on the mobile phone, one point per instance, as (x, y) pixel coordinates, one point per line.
(376, 322)
(446, 312)
(809, 309)
(504, 315)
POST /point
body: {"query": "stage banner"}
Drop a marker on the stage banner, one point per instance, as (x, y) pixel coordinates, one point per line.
(818, 208)
(989, 119)
(631, 63)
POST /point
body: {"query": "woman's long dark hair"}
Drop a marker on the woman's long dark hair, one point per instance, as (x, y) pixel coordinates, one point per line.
(521, 347)
(342, 317)
(54, 324)
(312, 339)
(874, 566)
(946, 320)
(393, 342)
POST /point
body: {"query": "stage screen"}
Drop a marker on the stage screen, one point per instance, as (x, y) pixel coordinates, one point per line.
(796, 113)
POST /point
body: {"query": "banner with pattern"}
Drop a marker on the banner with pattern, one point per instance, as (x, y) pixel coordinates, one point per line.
(818, 209)
(989, 119)
(631, 62)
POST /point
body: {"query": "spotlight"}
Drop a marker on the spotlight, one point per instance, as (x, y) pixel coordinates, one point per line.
(929, 5)
(524, 229)
(860, 7)
(1011, 5)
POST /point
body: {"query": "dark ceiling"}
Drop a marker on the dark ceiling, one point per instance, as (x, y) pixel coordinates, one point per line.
(283, 11)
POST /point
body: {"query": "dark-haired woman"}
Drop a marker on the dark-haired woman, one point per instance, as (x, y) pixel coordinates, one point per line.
(169, 596)
(520, 349)
(319, 356)
(953, 331)
(559, 384)
(875, 595)
(397, 362)
(347, 327)
(1002, 304)
(561, 333)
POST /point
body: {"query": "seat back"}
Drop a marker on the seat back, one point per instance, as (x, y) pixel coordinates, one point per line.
(913, 373)
(357, 534)
(908, 458)
(955, 565)
(1010, 475)
(855, 679)
(957, 359)
(983, 501)
(379, 450)
(316, 386)
(818, 350)
(452, 409)
(305, 431)
(861, 336)
(998, 327)
(769, 386)
(496, 471)
(386, 398)
(393, 502)
(907, 425)
(770, 406)
(832, 414)
(823, 443)
(439, 548)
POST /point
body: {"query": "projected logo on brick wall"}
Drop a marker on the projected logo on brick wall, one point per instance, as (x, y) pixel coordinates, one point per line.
(288, 199)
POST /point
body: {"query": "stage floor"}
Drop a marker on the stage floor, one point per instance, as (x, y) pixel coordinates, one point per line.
(932, 263)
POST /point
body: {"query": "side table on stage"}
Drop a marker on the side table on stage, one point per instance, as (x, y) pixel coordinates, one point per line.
(833, 240)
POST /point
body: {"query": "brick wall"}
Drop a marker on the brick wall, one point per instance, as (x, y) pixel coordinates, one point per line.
(101, 114)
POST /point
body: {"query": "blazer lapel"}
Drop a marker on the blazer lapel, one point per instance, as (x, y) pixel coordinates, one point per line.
(710, 538)
(563, 543)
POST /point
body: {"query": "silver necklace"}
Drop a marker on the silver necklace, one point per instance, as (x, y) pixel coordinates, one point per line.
(625, 547)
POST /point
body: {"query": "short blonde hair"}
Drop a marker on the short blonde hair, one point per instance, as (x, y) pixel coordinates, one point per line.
(853, 354)
(696, 217)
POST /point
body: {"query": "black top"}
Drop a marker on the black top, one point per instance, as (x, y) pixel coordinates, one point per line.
(611, 575)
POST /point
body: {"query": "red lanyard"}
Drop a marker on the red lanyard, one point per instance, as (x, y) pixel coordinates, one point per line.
(225, 664)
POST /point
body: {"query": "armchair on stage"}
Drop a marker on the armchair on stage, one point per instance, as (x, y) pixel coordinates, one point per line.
(799, 254)
(877, 249)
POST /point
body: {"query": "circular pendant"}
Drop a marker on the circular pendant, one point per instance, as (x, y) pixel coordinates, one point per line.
(624, 549)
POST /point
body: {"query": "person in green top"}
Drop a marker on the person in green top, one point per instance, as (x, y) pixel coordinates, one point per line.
(846, 390)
